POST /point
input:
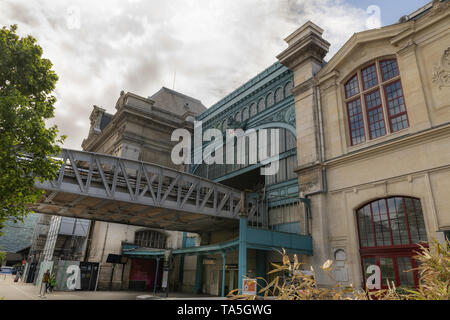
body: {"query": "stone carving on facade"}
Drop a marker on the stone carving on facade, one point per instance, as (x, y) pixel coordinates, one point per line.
(441, 73)
(287, 115)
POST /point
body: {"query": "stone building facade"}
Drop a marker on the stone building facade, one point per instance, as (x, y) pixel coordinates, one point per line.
(373, 133)
(141, 130)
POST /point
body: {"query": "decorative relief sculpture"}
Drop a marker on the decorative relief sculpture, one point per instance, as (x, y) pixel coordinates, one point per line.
(441, 73)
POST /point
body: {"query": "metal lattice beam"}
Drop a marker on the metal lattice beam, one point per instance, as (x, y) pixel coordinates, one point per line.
(116, 179)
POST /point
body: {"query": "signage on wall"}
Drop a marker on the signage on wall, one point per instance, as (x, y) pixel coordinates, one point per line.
(249, 287)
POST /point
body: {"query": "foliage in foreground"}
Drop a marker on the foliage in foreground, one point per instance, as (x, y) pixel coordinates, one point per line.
(434, 273)
(26, 102)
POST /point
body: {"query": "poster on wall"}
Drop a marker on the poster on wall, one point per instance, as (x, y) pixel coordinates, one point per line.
(165, 278)
(249, 287)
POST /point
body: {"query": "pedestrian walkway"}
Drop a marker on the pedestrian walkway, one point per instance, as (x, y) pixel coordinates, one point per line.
(10, 290)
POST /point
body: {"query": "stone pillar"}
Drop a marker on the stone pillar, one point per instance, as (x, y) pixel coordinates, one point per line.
(305, 58)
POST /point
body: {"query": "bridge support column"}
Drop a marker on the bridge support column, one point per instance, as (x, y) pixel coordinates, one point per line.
(224, 261)
(242, 250)
(260, 268)
(199, 275)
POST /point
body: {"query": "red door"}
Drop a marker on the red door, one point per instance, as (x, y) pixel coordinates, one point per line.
(144, 270)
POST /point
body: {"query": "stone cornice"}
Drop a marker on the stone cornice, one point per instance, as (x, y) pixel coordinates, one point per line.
(304, 86)
(145, 119)
(391, 145)
(357, 39)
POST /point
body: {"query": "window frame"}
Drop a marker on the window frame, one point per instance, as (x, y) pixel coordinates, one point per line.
(391, 251)
(385, 85)
(381, 86)
(349, 123)
(380, 106)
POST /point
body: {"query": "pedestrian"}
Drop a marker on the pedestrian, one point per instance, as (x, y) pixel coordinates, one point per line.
(44, 283)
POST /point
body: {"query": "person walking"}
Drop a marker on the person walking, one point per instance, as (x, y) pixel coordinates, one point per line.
(44, 283)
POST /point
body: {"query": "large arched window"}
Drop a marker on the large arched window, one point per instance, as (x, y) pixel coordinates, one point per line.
(270, 101)
(261, 105)
(372, 95)
(389, 231)
(150, 239)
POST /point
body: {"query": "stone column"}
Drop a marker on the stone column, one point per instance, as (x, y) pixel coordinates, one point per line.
(305, 58)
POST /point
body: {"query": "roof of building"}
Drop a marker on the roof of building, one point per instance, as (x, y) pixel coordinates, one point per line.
(106, 119)
(252, 82)
(176, 102)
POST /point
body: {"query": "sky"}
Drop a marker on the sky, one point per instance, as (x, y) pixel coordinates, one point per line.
(202, 48)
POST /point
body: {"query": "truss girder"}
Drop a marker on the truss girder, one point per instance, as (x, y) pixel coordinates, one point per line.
(112, 178)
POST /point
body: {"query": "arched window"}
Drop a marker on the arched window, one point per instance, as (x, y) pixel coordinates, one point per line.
(270, 100)
(288, 89)
(279, 95)
(237, 117)
(253, 110)
(389, 231)
(150, 239)
(261, 105)
(245, 114)
(366, 108)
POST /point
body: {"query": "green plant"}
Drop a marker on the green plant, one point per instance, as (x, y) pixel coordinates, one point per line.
(434, 272)
(26, 143)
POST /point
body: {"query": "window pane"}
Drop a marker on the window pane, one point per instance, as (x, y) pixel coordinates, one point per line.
(288, 89)
(375, 114)
(279, 95)
(362, 229)
(356, 122)
(253, 110)
(270, 100)
(406, 278)
(396, 106)
(366, 227)
(387, 271)
(369, 76)
(381, 222)
(389, 69)
(245, 114)
(366, 263)
(398, 223)
(420, 221)
(352, 88)
(261, 105)
(394, 97)
(415, 219)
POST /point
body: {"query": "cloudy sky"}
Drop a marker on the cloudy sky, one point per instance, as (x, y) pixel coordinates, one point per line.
(99, 48)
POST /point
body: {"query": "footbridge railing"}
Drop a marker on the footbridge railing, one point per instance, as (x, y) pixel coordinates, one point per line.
(112, 178)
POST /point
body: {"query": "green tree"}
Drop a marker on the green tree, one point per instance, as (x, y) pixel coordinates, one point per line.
(26, 144)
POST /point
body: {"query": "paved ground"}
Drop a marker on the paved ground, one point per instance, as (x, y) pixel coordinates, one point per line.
(9, 290)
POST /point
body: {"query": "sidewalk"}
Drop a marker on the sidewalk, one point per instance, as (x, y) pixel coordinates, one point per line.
(9, 290)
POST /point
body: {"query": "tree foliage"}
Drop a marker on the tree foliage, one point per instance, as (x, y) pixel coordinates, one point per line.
(26, 102)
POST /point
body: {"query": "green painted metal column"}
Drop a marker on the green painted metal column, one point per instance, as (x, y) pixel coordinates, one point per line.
(199, 275)
(260, 267)
(181, 272)
(156, 276)
(243, 225)
(242, 250)
(224, 261)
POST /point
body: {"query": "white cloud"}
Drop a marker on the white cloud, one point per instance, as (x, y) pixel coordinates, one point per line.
(214, 46)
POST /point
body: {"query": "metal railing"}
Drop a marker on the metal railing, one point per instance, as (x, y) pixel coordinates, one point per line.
(108, 177)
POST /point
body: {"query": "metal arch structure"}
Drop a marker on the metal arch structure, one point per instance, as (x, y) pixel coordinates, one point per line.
(107, 188)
